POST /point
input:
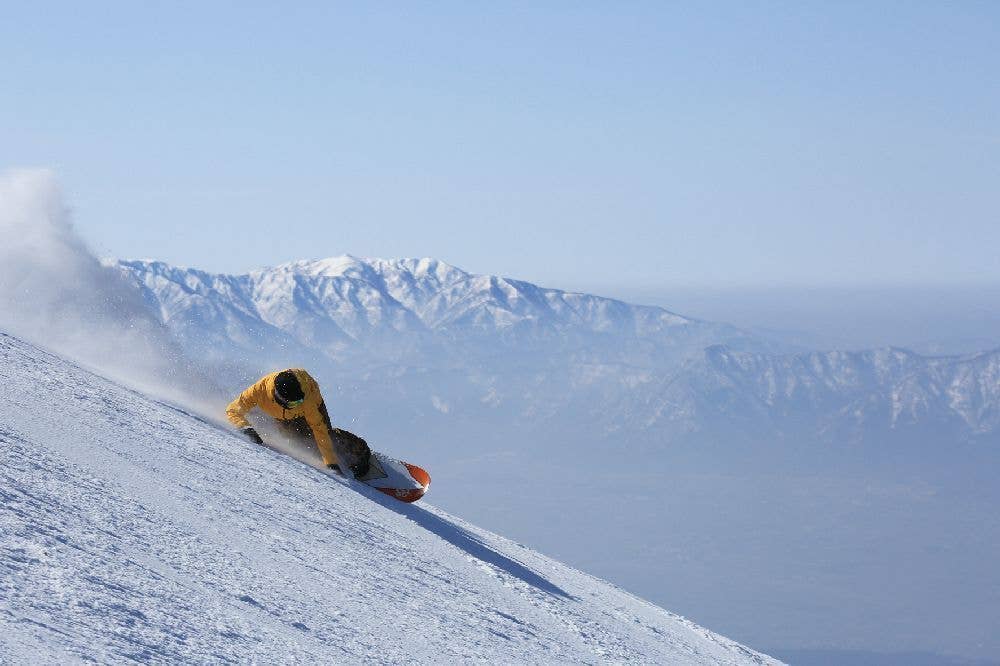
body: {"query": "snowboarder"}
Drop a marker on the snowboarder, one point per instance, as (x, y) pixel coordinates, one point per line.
(293, 399)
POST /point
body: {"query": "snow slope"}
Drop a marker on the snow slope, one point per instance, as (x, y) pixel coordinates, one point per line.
(133, 531)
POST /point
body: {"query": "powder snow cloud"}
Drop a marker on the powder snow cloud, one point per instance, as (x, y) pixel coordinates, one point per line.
(56, 293)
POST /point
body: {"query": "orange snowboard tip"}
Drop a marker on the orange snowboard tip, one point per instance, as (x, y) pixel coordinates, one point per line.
(411, 494)
(419, 475)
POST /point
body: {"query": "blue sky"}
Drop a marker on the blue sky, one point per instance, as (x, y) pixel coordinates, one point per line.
(630, 144)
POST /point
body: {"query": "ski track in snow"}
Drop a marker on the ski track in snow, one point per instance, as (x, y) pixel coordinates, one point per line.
(133, 532)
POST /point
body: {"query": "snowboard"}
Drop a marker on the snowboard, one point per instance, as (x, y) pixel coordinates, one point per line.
(402, 480)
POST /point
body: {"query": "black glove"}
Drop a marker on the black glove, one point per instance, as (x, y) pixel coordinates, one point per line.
(361, 468)
(252, 435)
(335, 467)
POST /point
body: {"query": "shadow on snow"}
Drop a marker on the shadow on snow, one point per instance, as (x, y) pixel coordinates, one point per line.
(454, 534)
(465, 540)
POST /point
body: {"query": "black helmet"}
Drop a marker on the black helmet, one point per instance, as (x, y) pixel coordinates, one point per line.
(287, 388)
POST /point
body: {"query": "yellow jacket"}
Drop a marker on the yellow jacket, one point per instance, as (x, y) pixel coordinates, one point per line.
(261, 395)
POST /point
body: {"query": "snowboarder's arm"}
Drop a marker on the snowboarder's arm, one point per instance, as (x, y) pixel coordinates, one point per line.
(250, 398)
(319, 420)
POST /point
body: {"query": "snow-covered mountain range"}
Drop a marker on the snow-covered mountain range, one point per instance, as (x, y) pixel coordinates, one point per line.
(346, 308)
(131, 531)
(863, 394)
(430, 339)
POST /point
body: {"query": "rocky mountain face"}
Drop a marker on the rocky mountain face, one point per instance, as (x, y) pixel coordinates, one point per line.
(350, 309)
(846, 396)
(434, 345)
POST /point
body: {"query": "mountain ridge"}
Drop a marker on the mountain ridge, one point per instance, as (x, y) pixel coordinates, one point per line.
(646, 370)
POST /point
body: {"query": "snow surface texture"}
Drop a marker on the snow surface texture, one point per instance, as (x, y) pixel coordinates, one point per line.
(133, 531)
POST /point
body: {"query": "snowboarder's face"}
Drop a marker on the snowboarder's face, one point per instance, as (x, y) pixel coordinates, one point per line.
(295, 403)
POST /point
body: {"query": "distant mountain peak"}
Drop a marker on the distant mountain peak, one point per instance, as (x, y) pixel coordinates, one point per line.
(415, 294)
